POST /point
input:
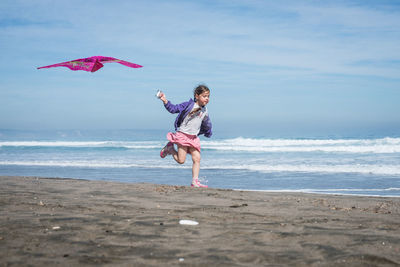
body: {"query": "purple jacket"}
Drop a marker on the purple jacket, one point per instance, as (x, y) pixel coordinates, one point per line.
(183, 109)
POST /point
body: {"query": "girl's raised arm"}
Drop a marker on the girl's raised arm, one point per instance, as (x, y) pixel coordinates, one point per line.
(175, 108)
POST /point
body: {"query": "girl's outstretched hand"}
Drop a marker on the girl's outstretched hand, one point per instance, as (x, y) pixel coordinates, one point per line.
(163, 98)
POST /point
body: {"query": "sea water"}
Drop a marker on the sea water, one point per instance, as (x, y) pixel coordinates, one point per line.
(359, 166)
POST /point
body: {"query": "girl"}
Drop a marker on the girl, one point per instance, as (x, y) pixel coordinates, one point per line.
(192, 121)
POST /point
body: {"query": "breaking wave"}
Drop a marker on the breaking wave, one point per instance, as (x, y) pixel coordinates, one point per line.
(378, 146)
(377, 169)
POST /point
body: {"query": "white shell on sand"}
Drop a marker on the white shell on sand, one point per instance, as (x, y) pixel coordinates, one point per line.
(188, 222)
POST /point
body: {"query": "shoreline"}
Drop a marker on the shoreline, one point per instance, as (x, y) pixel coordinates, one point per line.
(66, 221)
(316, 193)
(328, 192)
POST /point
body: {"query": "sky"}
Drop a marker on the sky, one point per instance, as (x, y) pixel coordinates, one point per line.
(274, 67)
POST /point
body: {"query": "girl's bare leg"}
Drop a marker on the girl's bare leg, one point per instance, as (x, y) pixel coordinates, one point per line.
(180, 156)
(196, 162)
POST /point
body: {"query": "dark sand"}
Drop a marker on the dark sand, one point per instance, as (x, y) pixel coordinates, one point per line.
(72, 222)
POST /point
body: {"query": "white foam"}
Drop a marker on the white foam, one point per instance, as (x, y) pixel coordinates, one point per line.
(90, 164)
(51, 144)
(307, 168)
(88, 144)
(303, 168)
(383, 145)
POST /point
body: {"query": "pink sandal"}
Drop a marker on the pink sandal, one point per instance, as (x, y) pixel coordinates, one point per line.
(196, 183)
(166, 150)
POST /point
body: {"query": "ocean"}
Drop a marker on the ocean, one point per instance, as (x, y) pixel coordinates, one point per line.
(356, 166)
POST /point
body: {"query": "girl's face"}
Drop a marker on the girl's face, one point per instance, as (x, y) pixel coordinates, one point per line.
(203, 98)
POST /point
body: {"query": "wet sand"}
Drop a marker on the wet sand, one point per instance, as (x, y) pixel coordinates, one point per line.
(70, 222)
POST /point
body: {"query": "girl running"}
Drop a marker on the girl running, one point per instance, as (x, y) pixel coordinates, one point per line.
(192, 121)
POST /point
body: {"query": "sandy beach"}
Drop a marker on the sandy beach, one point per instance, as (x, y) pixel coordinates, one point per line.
(71, 222)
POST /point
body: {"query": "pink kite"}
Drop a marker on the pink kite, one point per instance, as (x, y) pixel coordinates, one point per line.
(91, 64)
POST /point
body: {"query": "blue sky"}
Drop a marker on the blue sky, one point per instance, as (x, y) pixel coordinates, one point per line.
(274, 67)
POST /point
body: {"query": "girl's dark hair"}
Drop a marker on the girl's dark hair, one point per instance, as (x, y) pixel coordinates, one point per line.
(198, 91)
(201, 88)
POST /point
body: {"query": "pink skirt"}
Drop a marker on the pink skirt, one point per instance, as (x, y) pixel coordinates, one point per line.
(183, 139)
